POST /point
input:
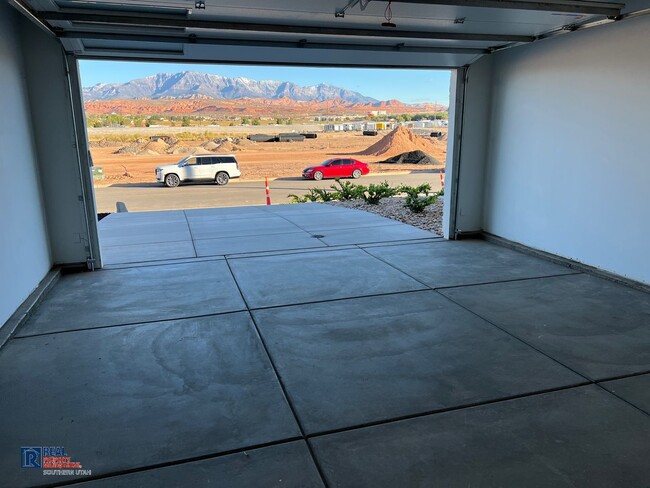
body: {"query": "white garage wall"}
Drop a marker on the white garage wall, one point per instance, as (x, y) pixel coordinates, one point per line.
(24, 249)
(569, 149)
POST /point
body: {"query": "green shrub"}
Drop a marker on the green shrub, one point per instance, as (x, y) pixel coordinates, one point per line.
(314, 195)
(374, 193)
(418, 198)
(296, 198)
(347, 190)
(325, 195)
(309, 197)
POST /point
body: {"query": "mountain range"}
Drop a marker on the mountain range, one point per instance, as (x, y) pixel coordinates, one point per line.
(195, 85)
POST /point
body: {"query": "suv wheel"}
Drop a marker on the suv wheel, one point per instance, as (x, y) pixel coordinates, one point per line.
(222, 178)
(172, 180)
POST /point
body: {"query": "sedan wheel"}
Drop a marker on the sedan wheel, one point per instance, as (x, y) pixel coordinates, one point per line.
(221, 178)
(356, 174)
(172, 180)
(318, 175)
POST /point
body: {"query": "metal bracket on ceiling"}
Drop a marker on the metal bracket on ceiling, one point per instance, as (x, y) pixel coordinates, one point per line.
(302, 42)
(340, 13)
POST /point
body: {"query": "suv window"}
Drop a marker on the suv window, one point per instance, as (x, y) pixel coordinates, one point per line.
(215, 160)
(192, 162)
(228, 159)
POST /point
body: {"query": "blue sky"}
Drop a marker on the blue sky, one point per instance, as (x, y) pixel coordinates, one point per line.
(409, 86)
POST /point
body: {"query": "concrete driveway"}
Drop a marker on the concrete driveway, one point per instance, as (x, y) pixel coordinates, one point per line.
(310, 345)
(152, 236)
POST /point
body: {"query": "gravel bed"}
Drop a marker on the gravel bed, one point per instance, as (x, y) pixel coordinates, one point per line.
(393, 208)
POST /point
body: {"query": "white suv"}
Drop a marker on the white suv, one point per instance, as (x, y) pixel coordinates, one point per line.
(199, 167)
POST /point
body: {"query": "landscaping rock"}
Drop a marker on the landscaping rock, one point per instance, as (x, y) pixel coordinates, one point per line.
(393, 208)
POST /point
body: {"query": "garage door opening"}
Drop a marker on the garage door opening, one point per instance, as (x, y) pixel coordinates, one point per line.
(170, 137)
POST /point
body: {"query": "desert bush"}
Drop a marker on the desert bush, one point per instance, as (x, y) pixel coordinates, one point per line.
(374, 193)
(418, 197)
(325, 195)
(347, 190)
(314, 195)
(302, 198)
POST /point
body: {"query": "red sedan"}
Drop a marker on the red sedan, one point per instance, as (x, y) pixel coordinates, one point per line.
(336, 168)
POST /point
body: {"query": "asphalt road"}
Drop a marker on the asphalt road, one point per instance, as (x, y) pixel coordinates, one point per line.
(140, 197)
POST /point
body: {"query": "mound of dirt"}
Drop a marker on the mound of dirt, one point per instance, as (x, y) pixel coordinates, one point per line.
(194, 150)
(165, 145)
(168, 139)
(413, 157)
(159, 146)
(183, 149)
(177, 150)
(150, 148)
(133, 148)
(104, 143)
(398, 141)
(226, 147)
(243, 142)
(210, 145)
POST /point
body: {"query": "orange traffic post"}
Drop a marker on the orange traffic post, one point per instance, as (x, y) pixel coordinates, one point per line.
(442, 179)
(268, 193)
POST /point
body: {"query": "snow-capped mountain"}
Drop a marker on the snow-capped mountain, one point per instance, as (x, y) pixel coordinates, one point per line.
(190, 84)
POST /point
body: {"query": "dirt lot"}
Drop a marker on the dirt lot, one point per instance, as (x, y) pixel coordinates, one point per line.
(260, 160)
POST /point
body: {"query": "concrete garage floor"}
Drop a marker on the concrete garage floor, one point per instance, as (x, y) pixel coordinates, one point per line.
(246, 352)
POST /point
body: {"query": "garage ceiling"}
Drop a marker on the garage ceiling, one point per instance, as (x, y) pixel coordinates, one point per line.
(426, 33)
